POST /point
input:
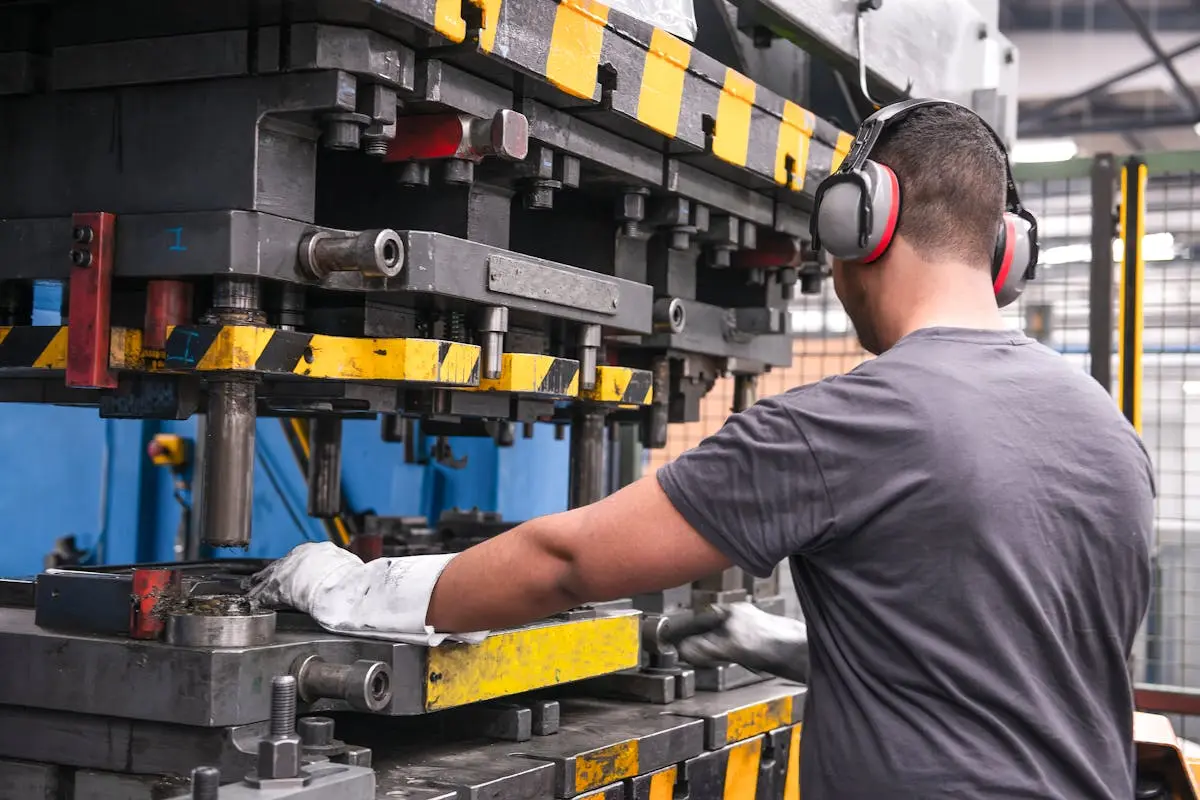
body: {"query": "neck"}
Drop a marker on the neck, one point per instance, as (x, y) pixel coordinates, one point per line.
(962, 299)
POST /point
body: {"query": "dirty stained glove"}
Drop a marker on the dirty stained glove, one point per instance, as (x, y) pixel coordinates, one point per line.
(741, 633)
(387, 598)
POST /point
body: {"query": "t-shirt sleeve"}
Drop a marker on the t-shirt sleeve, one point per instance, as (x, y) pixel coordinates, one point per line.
(754, 489)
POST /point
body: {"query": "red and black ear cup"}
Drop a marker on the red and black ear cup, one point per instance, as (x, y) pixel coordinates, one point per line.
(857, 213)
(1012, 261)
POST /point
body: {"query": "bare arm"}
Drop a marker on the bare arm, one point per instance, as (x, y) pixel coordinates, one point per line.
(630, 542)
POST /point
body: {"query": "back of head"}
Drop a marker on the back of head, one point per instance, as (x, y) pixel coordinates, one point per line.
(952, 183)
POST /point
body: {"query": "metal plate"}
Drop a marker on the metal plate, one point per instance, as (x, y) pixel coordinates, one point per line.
(521, 277)
(153, 681)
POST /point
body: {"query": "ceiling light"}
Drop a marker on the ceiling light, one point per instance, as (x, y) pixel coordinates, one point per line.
(1031, 151)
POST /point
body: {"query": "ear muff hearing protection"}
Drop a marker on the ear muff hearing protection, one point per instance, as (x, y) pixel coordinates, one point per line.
(857, 208)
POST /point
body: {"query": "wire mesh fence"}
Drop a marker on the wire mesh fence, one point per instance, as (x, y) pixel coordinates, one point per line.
(1073, 307)
(1170, 421)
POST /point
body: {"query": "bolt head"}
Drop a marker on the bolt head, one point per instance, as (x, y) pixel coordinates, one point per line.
(315, 731)
(510, 135)
(539, 199)
(82, 234)
(631, 207)
(81, 258)
(279, 757)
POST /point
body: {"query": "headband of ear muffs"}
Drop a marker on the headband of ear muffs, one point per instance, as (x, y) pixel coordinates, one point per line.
(856, 209)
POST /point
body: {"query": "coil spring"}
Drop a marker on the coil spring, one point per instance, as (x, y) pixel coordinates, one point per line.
(456, 330)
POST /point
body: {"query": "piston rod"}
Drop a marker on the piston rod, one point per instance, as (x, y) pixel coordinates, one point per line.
(587, 458)
(228, 463)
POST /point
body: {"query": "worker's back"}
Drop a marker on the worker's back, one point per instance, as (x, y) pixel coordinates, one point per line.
(985, 568)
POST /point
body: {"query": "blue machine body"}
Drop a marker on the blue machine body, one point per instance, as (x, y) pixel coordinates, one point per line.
(69, 472)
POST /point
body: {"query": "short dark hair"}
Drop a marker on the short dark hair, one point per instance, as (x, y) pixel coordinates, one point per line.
(952, 183)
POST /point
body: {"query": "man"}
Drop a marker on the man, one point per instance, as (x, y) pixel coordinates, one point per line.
(967, 518)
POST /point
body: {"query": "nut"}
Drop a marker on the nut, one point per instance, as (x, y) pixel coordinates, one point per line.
(279, 757)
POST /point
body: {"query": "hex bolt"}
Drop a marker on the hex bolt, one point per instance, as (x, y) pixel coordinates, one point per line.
(81, 258)
(206, 783)
(343, 131)
(279, 751)
(631, 210)
(505, 433)
(283, 705)
(787, 282)
(681, 239)
(413, 173)
(745, 392)
(375, 145)
(315, 731)
(83, 234)
(539, 198)
(589, 344)
(458, 171)
(493, 324)
(810, 283)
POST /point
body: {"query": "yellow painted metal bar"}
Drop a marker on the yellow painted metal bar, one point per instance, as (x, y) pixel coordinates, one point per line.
(742, 723)
(511, 662)
(731, 139)
(606, 765)
(662, 784)
(1130, 304)
(532, 373)
(795, 134)
(844, 142)
(741, 771)
(575, 46)
(661, 95)
(791, 778)
(621, 385)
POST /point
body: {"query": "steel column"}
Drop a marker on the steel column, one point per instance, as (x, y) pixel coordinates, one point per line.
(587, 457)
(1100, 305)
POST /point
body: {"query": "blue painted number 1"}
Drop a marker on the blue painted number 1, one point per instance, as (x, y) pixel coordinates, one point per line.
(178, 239)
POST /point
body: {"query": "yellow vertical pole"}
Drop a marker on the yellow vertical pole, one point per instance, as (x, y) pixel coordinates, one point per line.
(1130, 322)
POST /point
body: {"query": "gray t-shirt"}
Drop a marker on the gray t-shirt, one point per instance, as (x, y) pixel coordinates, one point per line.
(969, 519)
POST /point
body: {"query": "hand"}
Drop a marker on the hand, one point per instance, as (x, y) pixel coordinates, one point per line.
(300, 579)
(751, 637)
(387, 598)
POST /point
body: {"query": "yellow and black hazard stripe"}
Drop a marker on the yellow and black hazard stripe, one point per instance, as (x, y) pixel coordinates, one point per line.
(750, 719)
(236, 348)
(33, 347)
(530, 373)
(621, 385)
(243, 348)
(644, 74)
(764, 767)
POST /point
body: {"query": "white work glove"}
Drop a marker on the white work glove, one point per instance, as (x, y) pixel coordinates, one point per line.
(749, 636)
(387, 598)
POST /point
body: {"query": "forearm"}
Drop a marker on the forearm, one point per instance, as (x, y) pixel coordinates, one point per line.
(517, 577)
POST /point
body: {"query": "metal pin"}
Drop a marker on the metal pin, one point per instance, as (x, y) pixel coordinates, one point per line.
(493, 324)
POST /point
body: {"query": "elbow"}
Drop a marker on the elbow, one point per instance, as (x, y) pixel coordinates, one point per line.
(565, 570)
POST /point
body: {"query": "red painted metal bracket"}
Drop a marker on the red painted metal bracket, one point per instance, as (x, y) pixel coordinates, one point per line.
(150, 586)
(90, 296)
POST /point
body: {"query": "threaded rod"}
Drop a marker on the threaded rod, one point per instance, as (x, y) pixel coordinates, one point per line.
(283, 705)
